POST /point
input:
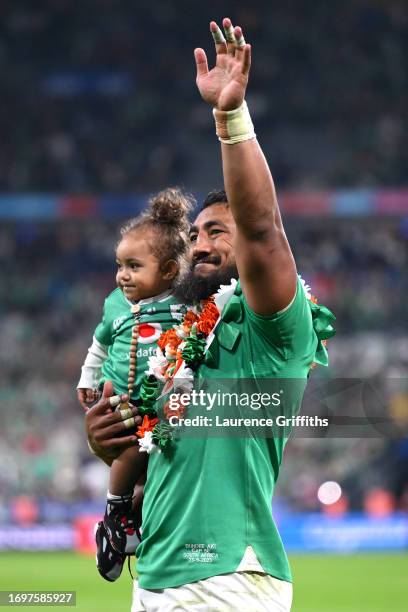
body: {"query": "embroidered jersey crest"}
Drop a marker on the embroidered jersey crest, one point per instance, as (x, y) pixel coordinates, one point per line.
(149, 332)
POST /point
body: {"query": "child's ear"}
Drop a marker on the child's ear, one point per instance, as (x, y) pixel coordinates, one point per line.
(170, 269)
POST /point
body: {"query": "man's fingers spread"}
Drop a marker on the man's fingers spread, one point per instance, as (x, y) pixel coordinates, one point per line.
(246, 64)
(229, 35)
(217, 34)
(201, 62)
(229, 30)
(218, 37)
(239, 37)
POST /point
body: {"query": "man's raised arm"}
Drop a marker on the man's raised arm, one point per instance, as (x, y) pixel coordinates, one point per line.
(264, 259)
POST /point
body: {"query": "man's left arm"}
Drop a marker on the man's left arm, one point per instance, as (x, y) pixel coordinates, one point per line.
(264, 259)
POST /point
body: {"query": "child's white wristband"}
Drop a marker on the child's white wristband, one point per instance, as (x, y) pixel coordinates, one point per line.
(235, 125)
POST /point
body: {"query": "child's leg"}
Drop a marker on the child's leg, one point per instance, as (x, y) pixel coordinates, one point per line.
(126, 470)
(120, 519)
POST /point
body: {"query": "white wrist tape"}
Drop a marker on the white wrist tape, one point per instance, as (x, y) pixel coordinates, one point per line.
(92, 368)
(235, 125)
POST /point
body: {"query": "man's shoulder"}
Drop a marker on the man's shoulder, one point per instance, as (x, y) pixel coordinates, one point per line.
(236, 309)
(297, 307)
(278, 330)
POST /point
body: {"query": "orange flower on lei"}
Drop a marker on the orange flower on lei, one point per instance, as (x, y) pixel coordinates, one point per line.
(208, 318)
(174, 412)
(169, 341)
(169, 337)
(190, 318)
(147, 425)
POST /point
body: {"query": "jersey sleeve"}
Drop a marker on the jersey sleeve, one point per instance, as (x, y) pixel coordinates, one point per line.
(103, 331)
(290, 330)
(92, 369)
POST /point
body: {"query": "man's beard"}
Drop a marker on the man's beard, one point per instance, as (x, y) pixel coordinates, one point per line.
(191, 288)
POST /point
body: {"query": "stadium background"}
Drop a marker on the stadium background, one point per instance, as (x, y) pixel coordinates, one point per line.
(99, 108)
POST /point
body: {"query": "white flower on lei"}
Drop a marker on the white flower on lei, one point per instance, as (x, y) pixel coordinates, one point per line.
(147, 445)
(184, 379)
(224, 294)
(181, 333)
(169, 352)
(306, 288)
(156, 363)
(195, 308)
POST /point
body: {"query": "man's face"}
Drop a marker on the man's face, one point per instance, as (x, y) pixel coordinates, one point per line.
(212, 254)
(212, 236)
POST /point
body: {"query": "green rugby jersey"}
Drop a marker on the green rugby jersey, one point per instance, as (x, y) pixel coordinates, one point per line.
(156, 315)
(210, 497)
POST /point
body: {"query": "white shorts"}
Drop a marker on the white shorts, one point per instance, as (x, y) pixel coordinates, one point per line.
(249, 591)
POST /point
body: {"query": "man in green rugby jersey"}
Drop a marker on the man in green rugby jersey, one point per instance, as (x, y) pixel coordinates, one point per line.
(209, 539)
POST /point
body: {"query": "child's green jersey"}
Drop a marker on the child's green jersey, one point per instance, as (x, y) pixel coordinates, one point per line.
(156, 315)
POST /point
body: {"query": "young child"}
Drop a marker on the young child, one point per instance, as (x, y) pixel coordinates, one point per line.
(149, 256)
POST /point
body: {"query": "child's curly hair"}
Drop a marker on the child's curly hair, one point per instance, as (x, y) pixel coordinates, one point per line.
(167, 215)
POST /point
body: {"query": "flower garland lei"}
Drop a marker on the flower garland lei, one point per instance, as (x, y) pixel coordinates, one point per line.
(180, 351)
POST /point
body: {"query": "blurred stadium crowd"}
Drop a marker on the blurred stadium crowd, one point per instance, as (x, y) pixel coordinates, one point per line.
(84, 85)
(101, 100)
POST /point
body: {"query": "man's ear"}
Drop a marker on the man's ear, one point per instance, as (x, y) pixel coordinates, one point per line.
(170, 269)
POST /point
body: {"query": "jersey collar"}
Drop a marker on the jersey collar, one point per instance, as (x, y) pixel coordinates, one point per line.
(162, 297)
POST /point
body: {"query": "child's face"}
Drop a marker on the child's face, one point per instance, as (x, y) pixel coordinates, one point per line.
(139, 274)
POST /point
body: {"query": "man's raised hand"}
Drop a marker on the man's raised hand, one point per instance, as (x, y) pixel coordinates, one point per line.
(224, 86)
